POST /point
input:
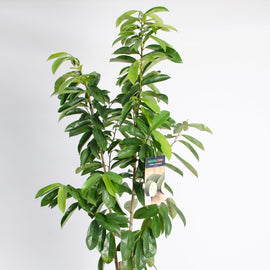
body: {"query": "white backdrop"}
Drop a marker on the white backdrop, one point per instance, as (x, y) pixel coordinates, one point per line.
(224, 83)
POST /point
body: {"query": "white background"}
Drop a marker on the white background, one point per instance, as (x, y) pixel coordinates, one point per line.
(224, 83)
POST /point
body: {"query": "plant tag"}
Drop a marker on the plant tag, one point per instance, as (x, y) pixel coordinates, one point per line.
(154, 179)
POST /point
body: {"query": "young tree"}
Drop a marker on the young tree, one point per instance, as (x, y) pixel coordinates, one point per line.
(116, 137)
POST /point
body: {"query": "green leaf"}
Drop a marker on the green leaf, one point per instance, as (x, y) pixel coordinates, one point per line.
(188, 165)
(125, 111)
(127, 244)
(171, 202)
(162, 97)
(85, 137)
(92, 235)
(146, 211)
(116, 178)
(149, 243)
(161, 42)
(117, 219)
(139, 192)
(71, 104)
(132, 141)
(124, 16)
(90, 182)
(101, 239)
(127, 205)
(175, 169)
(49, 197)
(126, 50)
(128, 151)
(156, 227)
(189, 146)
(107, 198)
(58, 62)
(112, 227)
(165, 146)
(77, 124)
(77, 196)
(154, 79)
(56, 55)
(140, 259)
(132, 130)
(46, 190)
(127, 264)
(151, 104)
(68, 214)
(194, 141)
(111, 187)
(123, 59)
(201, 127)
(62, 196)
(108, 251)
(166, 219)
(142, 126)
(156, 9)
(100, 264)
(133, 72)
(100, 138)
(159, 119)
(168, 188)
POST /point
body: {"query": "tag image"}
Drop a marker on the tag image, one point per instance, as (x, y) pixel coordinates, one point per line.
(154, 179)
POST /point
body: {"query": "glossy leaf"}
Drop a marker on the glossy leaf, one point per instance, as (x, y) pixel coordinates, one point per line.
(100, 138)
(112, 227)
(123, 59)
(128, 151)
(107, 198)
(85, 137)
(151, 104)
(161, 42)
(92, 235)
(124, 16)
(127, 244)
(46, 189)
(188, 165)
(68, 214)
(111, 187)
(156, 9)
(58, 62)
(194, 141)
(125, 111)
(62, 196)
(146, 211)
(133, 72)
(154, 79)
(172, 204)
(166, 219)
(175, 169)
(139, 192)
(127, 264)
(165, 146)
(108, 250)
(149, 243)
(49, 197)
(132, 130)
(140, 260)
(189, 146)
(168, 188)
(159, 119)
(116, 178)
(156, 227)
(90, 182)
(100, 264)
(56, 55)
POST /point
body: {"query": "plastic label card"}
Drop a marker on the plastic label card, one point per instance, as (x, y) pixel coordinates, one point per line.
(154, 179)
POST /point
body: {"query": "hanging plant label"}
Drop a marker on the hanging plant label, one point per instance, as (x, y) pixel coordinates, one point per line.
(154, 179)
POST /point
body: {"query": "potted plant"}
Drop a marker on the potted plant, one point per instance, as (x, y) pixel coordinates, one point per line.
(123, 145)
